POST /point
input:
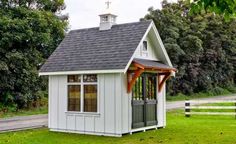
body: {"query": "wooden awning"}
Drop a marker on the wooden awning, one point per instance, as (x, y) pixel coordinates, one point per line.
(139, 66)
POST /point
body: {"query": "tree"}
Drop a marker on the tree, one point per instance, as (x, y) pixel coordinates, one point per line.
(30, 31)
(201, 46)
(225, 7)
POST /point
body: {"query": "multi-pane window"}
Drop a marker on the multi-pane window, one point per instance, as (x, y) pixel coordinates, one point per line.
(82, 93)
(74, 97)
(145, 87)
(90, 78)
(90, 98)
(74, 78)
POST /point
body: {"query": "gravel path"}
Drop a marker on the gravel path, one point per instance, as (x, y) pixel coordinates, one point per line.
(23, 122)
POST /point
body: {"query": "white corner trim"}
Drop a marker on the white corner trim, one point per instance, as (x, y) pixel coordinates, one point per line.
(81, 72)
(161, 44)
(141, 41)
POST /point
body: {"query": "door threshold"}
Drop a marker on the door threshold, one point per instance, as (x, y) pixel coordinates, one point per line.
(143, 129)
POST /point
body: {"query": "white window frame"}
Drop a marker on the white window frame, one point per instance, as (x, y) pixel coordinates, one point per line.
(82, 84)
(144, 53)
(146, 49)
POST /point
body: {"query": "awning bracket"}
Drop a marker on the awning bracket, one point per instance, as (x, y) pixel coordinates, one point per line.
(161, 83)
(132, 79)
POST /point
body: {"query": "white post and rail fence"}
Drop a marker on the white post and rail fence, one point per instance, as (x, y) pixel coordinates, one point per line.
(197, 105)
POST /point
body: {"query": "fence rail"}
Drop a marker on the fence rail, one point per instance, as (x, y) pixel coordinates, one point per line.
(211, 101)
(210, 107)
(197, 105)
(211, 113)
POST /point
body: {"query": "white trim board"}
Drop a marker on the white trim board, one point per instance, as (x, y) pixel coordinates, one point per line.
(87, 132)
(210, 113)
(210, 107)
(81, 72)
(143, 129)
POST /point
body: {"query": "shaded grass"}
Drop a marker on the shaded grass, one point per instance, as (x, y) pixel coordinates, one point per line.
(179, 130)
(25, 112)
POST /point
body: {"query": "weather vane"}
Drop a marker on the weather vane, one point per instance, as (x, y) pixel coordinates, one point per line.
(108, 3)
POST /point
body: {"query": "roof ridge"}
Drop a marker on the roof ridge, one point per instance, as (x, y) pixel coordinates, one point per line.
(144, 21)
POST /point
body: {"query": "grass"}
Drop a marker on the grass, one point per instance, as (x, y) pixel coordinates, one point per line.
(179, 130)
(25, 112)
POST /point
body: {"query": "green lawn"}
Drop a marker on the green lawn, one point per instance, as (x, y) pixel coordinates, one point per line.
(179, 130)
(25, 112)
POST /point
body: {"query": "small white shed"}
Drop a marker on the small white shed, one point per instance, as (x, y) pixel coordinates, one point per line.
(108, 80)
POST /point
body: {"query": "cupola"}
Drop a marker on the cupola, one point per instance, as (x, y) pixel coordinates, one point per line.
(107, 19)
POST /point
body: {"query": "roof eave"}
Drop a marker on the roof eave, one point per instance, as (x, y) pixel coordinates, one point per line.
(81, 72)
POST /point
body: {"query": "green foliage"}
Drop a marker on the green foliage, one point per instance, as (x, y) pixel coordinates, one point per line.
(217, 91)
(224, 7)
(30, 31)
(201, 46)
(232, 89)
(10, 112)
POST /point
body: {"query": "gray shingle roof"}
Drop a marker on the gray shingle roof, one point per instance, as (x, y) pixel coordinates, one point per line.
(91, 49)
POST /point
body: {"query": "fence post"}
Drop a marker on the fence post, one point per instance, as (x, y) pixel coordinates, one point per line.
(187, 108)
(235, 109)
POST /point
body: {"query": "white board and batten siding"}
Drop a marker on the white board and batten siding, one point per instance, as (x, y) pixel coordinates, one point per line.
(113, 104)
(114, 116)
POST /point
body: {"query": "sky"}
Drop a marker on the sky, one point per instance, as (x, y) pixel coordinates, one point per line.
(84, 13)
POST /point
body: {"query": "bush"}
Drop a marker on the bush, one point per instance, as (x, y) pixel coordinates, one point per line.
(232, 88)
(10, 108)
(40, 100)
(214, 92)
(219, 91)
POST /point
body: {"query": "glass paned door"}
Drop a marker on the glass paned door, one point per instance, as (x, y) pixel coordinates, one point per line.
(144, 103)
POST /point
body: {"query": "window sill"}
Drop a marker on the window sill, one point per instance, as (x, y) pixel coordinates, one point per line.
(144, 53)
(82, 113)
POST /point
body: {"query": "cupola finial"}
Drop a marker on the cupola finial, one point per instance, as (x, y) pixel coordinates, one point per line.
(107, 19)
(108, 3)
